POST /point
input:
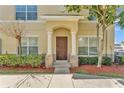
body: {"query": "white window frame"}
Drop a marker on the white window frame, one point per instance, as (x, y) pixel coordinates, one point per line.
(26, 11)
(28, 45)
(88, 36)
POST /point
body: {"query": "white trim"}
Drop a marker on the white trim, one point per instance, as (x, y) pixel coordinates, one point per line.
(73, 42)
(49, 42)
(38, 21)
(31, 36)
(87, 55)
(21, 21)
(87, 35)
(88, 47)
(87, 21)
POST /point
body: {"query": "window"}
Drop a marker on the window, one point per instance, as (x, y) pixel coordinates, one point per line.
(28, 12)
(87, 46)
(29, 45)
(83, 46)
(91, 16)
(92, 46)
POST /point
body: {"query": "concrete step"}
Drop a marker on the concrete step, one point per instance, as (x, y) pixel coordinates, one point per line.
(61, 64)
(61, 71)
(61, 67)
(61, 61)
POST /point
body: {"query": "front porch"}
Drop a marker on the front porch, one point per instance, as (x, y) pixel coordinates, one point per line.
(62, 39)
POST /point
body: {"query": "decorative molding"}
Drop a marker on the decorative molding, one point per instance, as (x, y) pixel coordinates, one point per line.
(22, 21)
(62, 18)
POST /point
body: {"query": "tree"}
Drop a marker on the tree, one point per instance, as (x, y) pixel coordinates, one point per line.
(13, 29)
(122, 42)
(105, 15)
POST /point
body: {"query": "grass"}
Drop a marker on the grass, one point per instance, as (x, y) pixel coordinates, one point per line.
(10, 72)
(112, 75)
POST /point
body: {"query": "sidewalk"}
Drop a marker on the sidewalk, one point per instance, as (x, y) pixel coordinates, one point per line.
(55, 81)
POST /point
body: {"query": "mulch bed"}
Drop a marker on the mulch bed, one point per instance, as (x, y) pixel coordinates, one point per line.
(41, 69)
(94, 70)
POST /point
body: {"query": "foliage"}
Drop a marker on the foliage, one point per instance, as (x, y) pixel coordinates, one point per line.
(107, 61)
(113, 75)
(94, 60)
(15, 61)
(15, 30)
(122, 42)
(121, 60)
(105, 16)
(120, 20)
(109, 75)
(88, 60)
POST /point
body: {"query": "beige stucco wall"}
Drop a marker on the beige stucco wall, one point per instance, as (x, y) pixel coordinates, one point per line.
(39, 30)
(60, 28)
(8, 12)
(9, 44)
(89, 29)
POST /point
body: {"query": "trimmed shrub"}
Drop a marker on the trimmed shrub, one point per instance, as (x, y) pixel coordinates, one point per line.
(88, 60)
(121, 60)
(15, 61)
(94, 60)
(107, 61)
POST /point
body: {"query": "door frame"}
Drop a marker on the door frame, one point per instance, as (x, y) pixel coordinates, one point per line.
(56, 47)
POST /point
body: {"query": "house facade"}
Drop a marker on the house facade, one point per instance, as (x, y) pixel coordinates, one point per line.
(119, 49)
(52, 31)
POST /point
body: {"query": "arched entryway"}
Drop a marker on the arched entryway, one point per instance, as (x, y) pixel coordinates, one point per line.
(61, 43)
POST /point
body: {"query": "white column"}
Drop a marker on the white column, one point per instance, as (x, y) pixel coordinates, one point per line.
(73, 36)
(49, 45)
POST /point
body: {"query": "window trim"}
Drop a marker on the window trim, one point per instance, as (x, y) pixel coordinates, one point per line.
(88, 36)
(26, 11)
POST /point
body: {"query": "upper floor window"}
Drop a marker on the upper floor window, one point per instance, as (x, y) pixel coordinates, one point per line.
(26, 12)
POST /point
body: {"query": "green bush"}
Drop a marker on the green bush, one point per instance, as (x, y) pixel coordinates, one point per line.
(94, 60)
(88, 60)
(14, 60)
(107, 61)
(121, 60)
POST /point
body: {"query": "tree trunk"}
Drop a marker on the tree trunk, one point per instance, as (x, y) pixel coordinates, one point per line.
(106, 33)
(101, 46)
(19, 47)
(97, 26)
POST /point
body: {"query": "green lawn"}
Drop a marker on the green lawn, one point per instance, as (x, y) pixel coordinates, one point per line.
(22, 72)
(113, 75)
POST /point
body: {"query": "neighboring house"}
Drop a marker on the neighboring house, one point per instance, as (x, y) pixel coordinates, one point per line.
(119, 49)
(52, 31)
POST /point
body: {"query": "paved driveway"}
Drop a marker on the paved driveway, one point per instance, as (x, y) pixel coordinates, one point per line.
(55, 81)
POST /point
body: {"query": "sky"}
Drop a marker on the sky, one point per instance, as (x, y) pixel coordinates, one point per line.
(119, 34)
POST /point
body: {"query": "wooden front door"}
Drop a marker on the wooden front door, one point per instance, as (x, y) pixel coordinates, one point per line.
(61, 48)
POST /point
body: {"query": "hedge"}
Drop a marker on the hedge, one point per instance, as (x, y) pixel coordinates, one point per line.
(121, 60)
(94, 60)
(16, 61)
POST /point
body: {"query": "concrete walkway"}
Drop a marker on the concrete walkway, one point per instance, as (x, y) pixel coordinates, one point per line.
(54, 81)
(61, 67)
